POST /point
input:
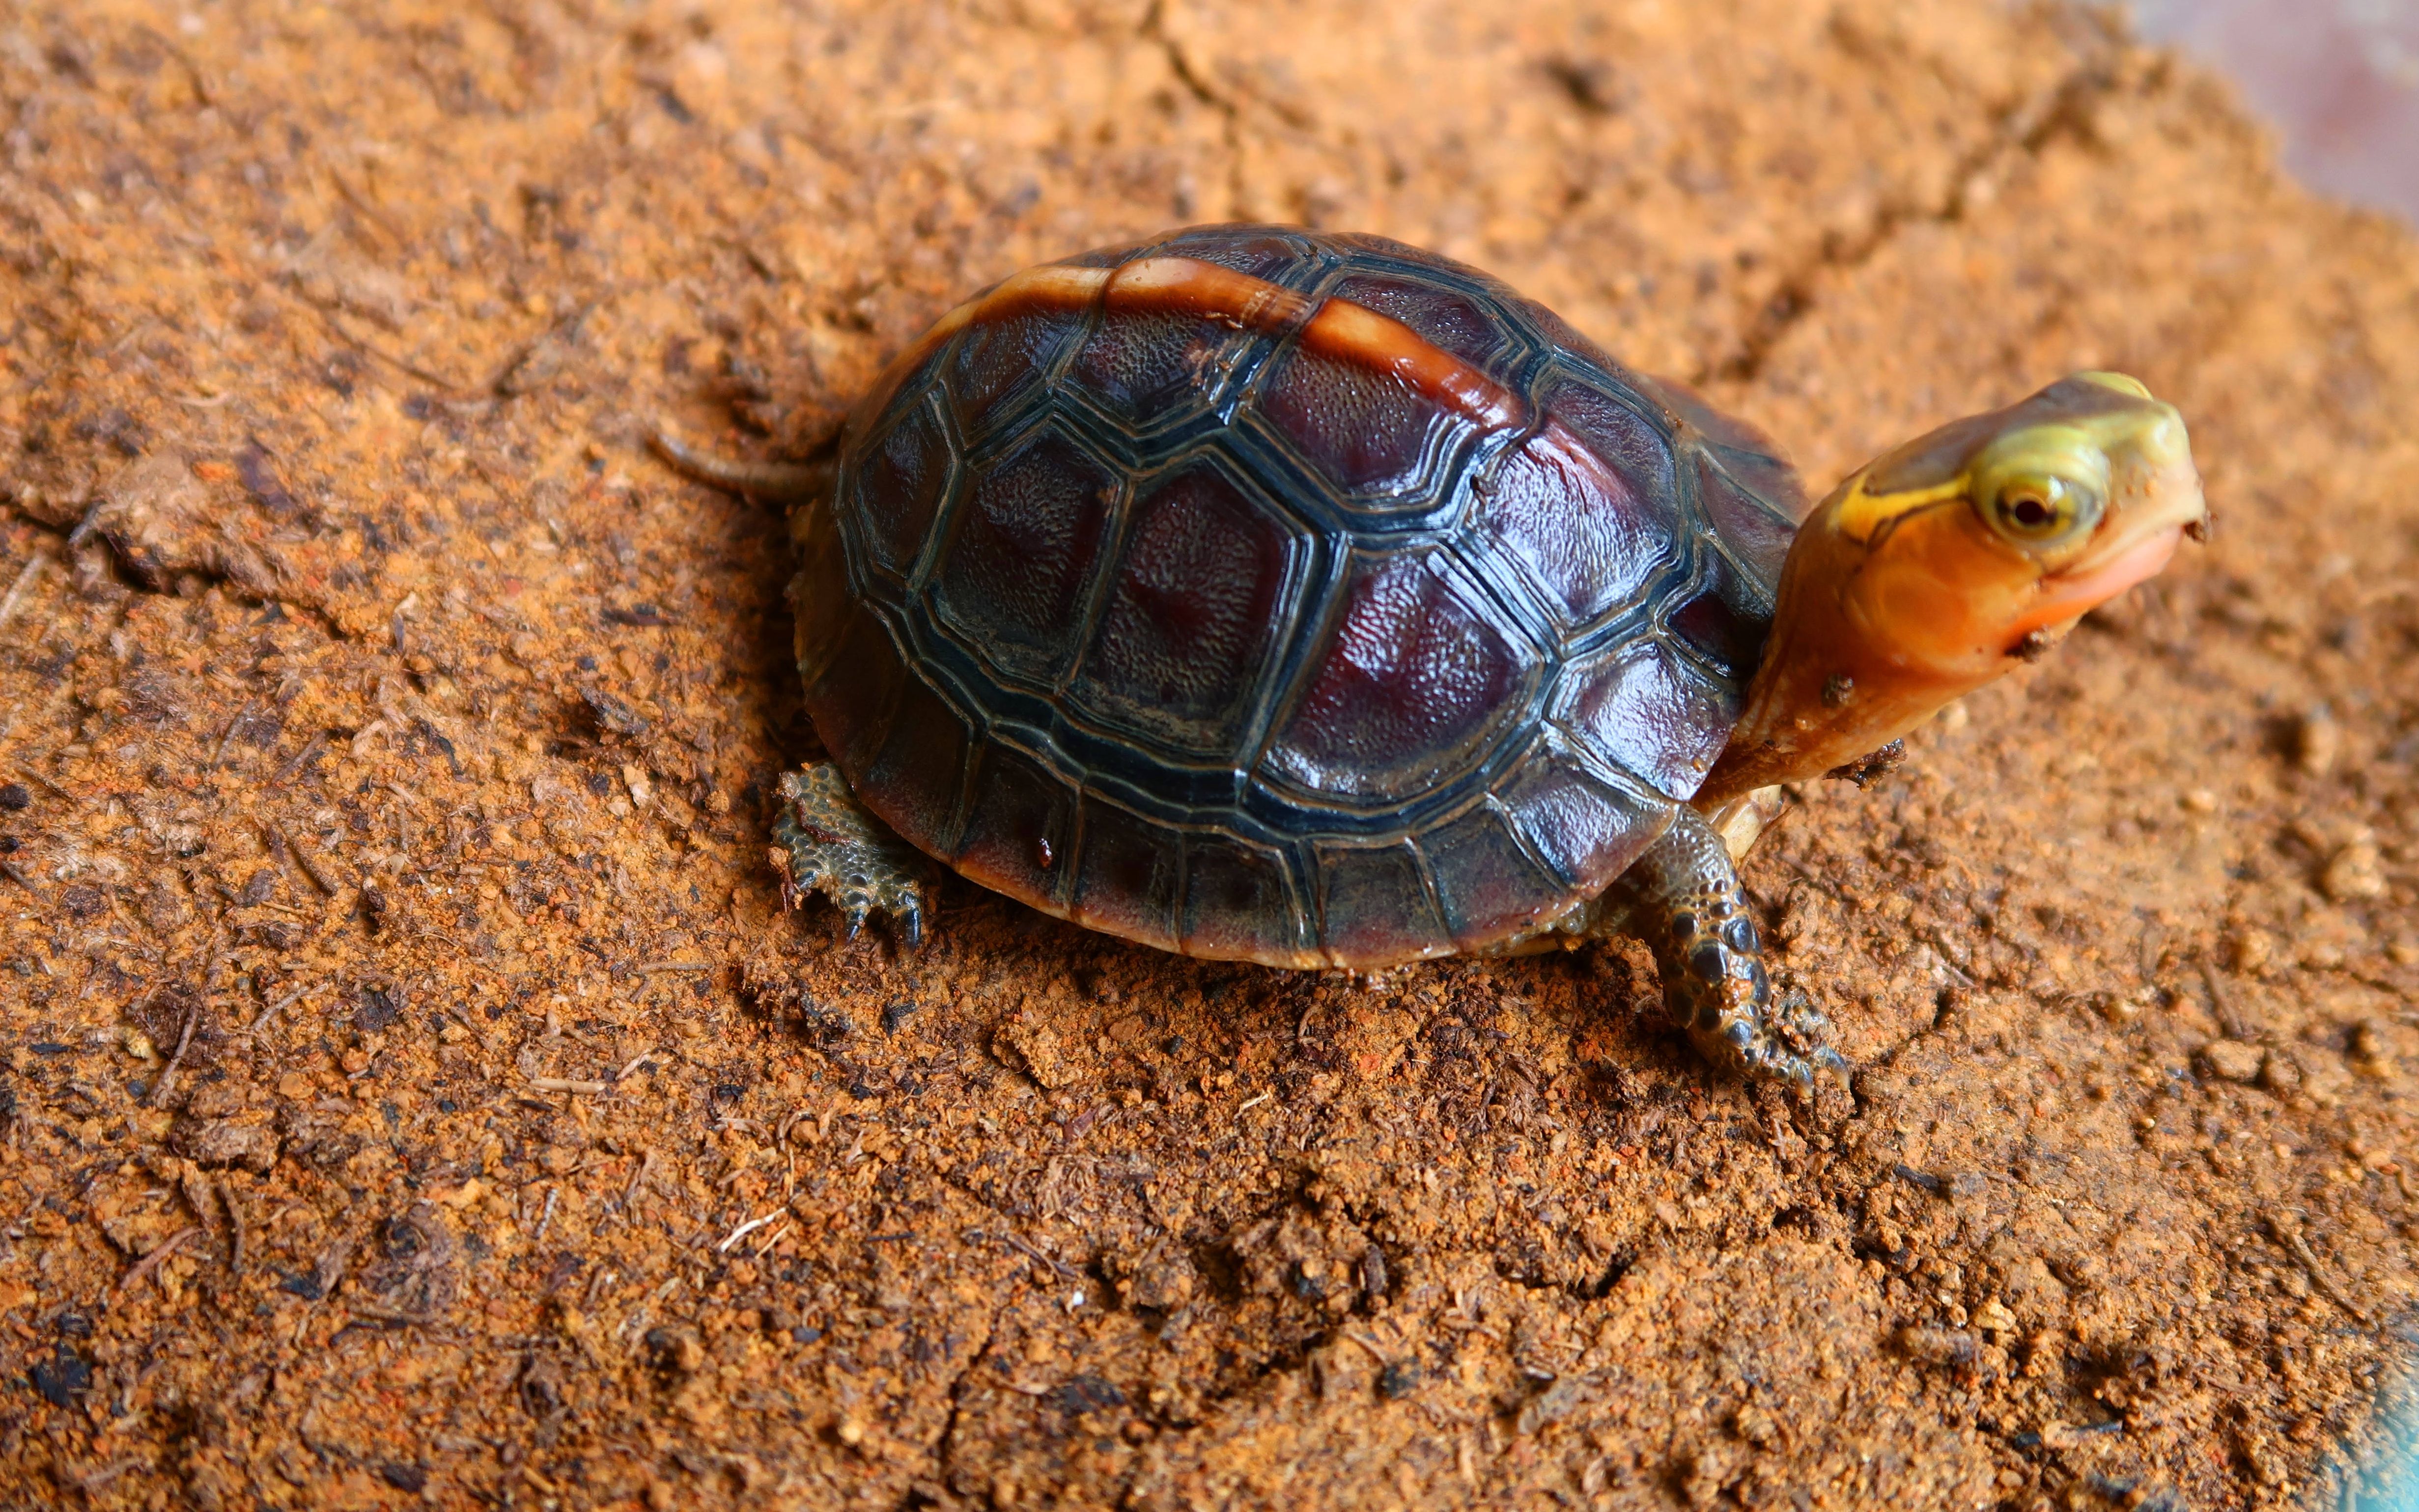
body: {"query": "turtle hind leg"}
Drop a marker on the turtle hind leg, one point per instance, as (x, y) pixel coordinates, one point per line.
(830, 844)
(1685, 899)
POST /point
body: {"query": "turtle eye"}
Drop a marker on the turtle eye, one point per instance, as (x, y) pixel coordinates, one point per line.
(2043, 509)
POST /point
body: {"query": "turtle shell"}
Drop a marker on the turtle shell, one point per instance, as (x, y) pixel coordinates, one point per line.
(1300, 598)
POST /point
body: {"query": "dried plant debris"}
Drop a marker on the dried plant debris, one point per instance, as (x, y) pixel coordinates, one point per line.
(414, 1087)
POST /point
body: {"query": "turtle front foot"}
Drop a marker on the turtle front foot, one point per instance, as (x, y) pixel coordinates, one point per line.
(1684, 895)
(1789, 1040)
(830, 844)
(1723, 997)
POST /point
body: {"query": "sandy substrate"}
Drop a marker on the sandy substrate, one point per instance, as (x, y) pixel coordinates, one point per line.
(416, 1093)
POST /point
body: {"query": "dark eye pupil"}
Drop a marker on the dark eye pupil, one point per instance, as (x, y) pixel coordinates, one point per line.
(2029, 512)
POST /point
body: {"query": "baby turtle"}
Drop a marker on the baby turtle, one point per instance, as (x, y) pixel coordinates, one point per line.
(1315, 600)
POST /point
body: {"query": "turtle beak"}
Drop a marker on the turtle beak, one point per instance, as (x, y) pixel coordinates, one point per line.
(2154, 502)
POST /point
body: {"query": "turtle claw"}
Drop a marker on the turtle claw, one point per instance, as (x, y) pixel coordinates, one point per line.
(829, 844)
(1798, 1018)
(1805, 1072)
(1762, 1040)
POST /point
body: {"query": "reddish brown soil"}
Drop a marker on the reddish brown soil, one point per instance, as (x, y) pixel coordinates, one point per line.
(415, 1091)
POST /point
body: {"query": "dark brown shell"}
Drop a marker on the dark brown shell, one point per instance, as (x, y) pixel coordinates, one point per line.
(1306, 599)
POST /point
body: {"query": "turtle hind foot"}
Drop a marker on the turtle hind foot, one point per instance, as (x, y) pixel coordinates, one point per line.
(830, 844)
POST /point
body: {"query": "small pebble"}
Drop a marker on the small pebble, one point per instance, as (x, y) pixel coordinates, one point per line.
(1933, 1345)
(2356, 873)
(2232, 1060)
(2060, 1436)
(2318, 741)
(1756, 1426)
(2250, 951)
(2373, 1053)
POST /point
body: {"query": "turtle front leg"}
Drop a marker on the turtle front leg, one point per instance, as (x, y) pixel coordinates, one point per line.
(1684, 898)
(830, 844)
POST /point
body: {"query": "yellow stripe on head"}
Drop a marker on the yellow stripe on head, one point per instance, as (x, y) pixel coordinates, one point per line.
(1860, 514)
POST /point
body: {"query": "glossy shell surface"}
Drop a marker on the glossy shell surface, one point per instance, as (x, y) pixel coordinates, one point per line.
(1300, 598)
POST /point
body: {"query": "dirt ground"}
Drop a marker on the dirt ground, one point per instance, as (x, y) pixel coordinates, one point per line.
(416, 1093)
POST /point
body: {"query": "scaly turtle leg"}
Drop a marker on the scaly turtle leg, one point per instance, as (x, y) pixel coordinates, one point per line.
(1685, 900)
(830, 844)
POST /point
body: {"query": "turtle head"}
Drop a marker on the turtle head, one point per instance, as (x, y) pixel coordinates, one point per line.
(1941, 564)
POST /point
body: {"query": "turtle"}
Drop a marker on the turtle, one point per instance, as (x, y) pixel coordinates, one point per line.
(1311, 599)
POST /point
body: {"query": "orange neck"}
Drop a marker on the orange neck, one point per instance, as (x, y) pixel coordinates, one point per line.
(1871, 637)
(1833, 686)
